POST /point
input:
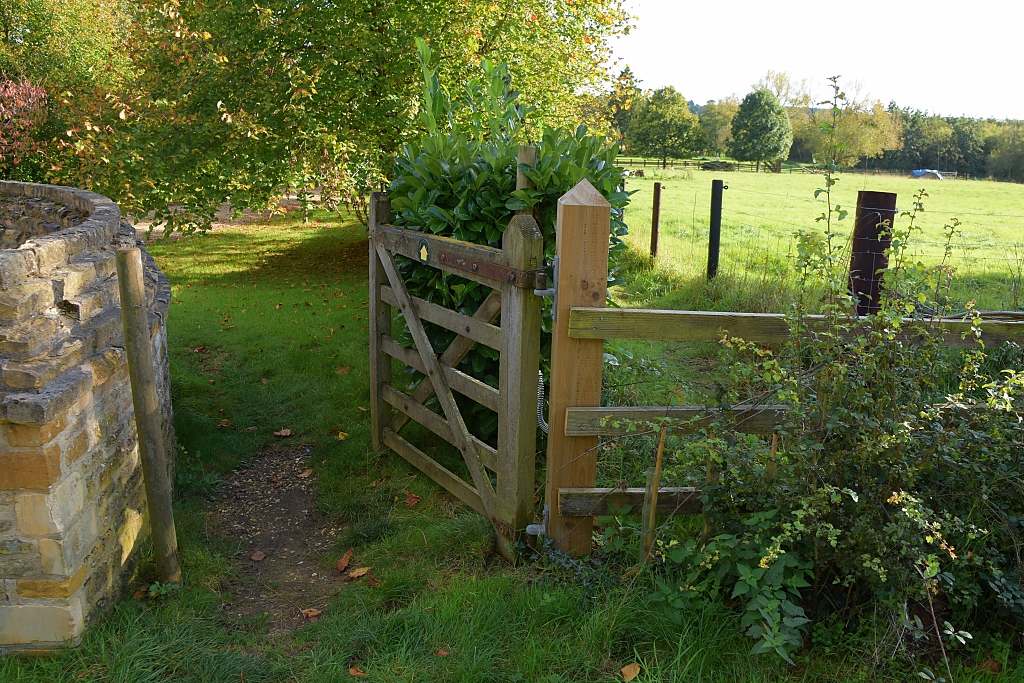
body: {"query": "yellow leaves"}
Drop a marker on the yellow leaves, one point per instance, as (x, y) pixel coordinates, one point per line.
(206, 35)
(630, 671)
(283, 433)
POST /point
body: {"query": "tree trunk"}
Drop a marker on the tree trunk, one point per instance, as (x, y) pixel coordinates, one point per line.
(758, 168)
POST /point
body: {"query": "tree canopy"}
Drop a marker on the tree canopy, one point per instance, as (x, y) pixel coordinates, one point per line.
(224, 100)
(716, 124)
(761, 130)
(663, 126)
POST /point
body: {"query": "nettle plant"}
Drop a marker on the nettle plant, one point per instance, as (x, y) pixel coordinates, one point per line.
(459, 180)
(897, 478)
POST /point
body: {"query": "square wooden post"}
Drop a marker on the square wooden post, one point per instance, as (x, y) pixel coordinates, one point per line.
(584, 217)
(381, 412)
(523, 245)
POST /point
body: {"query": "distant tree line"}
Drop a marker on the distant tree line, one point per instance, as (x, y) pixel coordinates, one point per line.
(779, 120)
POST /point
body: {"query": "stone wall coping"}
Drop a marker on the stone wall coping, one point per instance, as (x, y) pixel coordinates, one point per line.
(44, 253)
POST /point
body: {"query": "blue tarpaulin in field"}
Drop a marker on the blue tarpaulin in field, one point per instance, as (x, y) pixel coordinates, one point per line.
(925, 171)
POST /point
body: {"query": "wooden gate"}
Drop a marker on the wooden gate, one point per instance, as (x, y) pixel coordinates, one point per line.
(502, 476)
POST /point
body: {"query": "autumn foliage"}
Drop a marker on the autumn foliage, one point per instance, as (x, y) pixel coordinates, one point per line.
(22, 110)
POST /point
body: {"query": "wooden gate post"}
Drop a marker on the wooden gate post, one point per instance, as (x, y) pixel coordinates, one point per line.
(584, 217)
(380, 324)
(523, 245)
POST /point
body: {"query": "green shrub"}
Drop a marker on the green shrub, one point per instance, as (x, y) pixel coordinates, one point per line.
(897, 480)
(459, 181)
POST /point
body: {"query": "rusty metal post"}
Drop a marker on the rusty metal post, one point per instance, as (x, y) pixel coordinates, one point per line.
(876, 212)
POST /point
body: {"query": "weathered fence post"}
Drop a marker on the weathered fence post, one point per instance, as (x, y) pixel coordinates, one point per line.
(876, 212)
(380, 324)
(715, 237)
(523, 245)
(584, 216)
(655, 219)
(139, 347)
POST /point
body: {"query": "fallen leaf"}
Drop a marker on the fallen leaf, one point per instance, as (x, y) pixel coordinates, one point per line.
(310, 613)
(283, 432)
(258, 556)
(630, 671)
(357, 572)
(443, 653)
(211, 381)
(344, 560)
(264, 380)
(223, 423)
(344, 370)
(358, 407)
(306, 474)
(341, 435)
(412, 499)
(251, 429)
(356, 671)
(990, 666)
(372, 581)
(139, 594)
(274, 480)
(200, 349)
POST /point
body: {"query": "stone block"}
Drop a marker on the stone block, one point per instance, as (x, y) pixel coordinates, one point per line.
(50, 252)
(15, 266)
(48, 588)
(51, 556)
(76, 277)
(18, 558)
(30, 436)
(41, 624)
(18, 303)
(78, 446)
(29, 469)
(80, 538)
(32, 337)
(105, 364)
(34, 516)
(52, 400)
(35, 373)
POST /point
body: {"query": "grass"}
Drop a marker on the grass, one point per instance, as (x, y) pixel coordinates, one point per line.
(761, 212)
(268, 331)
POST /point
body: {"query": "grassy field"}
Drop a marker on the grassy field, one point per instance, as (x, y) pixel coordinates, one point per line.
(268, 331)
(761, 212)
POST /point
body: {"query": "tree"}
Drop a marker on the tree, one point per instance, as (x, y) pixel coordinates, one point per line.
(663, 127)
(21, 112)
(239, 101)
(761, 130)
(624, 95)
(716, 124)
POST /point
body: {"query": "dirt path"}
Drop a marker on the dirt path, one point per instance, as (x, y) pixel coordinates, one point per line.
(270, 510)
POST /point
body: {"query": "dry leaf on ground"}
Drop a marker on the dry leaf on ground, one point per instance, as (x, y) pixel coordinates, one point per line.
(258, 556)
(356, 671)
(310, 613)
(412, 499)
(250, 429)
(223, 423)
(358, 572)
(283, 432)
(344, 560)
(630, 671)
(306, 474)
(338, 434)
(344, 370)
(990, 666)
(443, 653)
(372, 581)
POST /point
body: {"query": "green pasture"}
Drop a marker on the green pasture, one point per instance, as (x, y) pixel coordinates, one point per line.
(762, 211)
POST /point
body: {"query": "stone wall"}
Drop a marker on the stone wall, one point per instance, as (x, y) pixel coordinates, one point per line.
(72, 504)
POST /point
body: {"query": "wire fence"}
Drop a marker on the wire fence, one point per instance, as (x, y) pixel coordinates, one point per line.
(985, 254)
(634, 164)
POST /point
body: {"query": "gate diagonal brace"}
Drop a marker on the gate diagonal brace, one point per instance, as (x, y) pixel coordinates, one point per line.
(525, 279)
(444, 395)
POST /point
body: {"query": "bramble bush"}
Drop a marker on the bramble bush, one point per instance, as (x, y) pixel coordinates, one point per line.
(896, 482)
(459, 181)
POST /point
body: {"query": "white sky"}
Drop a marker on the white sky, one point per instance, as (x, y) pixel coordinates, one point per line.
(950, 58)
